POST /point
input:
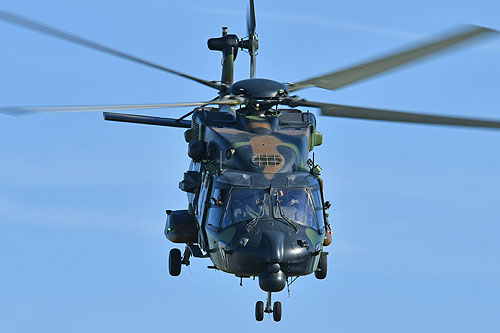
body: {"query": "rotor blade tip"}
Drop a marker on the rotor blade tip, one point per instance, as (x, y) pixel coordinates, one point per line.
(15, 111)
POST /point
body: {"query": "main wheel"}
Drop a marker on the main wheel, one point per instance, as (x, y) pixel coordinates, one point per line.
(259, 311)
(322, 267)
(277, 311)
(174, 262)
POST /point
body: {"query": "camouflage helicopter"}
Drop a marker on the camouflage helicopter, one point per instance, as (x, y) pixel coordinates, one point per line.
(255, 197)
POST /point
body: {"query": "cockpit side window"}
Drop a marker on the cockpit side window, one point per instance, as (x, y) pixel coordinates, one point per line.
(214, 217)
(216, 207)
(202, 196)
(218, 197)
(318, 206)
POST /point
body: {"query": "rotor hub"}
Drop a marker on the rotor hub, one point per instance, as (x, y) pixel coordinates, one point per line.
(259, 89)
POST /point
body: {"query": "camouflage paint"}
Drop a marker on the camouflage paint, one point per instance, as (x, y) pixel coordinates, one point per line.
(250, 135)
(227, 235)
(314, 237)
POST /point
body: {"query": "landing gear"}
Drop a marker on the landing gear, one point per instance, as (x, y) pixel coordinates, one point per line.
(322, 269)
(276, 310)
(259, 311)
(174, 262)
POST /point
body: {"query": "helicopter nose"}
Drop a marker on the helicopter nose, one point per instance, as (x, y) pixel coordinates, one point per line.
(272, 251)
(273, 278)
(274, 246)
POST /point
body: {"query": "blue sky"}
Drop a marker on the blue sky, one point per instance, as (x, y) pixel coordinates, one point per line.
(416, 208)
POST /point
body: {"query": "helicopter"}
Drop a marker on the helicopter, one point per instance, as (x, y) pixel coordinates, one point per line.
(255, 198)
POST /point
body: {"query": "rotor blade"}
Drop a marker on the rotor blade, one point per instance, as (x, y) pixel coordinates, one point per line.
(148, 120)
(346, 111)
(359, 72)
(251, 19)
(30, 24)
(23, 110)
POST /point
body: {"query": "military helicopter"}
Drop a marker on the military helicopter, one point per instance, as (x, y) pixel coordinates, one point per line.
(255, 197)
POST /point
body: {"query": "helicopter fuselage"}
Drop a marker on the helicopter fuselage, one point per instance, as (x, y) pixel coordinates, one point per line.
(257, 204)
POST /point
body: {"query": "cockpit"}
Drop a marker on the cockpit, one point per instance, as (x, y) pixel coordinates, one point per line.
(293, 206)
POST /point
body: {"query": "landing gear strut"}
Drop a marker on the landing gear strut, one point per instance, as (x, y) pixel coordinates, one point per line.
(260, 310)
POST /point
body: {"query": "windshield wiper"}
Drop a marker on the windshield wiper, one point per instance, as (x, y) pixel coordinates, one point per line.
(285, 218)
(253, 222)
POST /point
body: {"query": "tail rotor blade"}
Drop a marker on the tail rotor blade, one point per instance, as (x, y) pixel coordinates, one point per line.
(251, 19)
(252, 37)
(252, 63)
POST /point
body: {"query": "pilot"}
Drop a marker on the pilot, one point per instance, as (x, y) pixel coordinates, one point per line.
(246, 209)
(254, 207)
(304, 212)
(238, 209)
(287, 204)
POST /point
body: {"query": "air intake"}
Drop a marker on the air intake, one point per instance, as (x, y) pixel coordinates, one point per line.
(266, 159)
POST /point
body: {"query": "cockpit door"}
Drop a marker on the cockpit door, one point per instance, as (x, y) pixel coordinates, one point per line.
(201, 205)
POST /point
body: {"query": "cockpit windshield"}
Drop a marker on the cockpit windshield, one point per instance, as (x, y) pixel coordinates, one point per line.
(292, 206)
(245, 205)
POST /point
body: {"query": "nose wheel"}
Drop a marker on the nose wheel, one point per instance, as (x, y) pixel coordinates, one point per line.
(275, 310)
(259, 311)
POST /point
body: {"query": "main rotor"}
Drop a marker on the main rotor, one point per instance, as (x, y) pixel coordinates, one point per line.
(260, 95)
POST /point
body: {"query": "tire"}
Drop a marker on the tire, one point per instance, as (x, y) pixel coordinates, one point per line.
(322, 267)
(174, 262)
(277, 311)
(259, 311)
